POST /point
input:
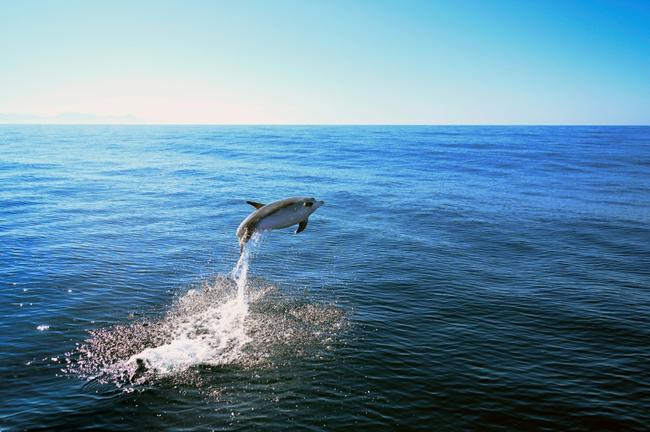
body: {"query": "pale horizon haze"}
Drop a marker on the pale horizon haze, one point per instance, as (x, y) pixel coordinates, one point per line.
(359, 62)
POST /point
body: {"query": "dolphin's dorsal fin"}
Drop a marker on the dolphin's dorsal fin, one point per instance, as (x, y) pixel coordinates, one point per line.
(302, 225)
(255, 204)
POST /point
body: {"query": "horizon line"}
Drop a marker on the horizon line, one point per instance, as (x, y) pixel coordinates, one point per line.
(334, 124)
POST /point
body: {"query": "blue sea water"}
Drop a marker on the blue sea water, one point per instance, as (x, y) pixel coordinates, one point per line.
(457, 278)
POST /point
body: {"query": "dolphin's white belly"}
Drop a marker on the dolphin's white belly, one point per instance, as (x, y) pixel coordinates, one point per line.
(283, 218)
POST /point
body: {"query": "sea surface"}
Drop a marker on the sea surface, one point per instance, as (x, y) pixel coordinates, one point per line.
(457, 278)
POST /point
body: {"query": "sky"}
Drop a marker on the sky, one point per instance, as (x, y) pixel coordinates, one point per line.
(325, 62)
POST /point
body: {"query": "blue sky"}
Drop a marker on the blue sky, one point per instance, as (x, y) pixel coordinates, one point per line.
(347, 62)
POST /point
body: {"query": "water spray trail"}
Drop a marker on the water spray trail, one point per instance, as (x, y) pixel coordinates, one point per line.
(240, 272)
(240, 275)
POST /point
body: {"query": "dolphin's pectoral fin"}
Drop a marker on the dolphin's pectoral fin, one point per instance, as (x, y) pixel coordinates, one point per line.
(302, 225)
(255, 204)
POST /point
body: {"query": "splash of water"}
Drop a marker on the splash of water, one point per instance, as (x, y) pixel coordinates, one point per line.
(231, 320)
(214, 336)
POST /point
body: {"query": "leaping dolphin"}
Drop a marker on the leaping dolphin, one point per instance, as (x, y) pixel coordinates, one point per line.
(279, 214)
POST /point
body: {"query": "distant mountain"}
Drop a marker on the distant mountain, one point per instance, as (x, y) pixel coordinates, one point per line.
(70, 118)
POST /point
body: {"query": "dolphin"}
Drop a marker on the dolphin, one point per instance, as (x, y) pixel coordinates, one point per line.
(279, 214)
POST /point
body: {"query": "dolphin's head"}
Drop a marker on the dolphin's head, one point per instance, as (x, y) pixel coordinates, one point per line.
(312, 204)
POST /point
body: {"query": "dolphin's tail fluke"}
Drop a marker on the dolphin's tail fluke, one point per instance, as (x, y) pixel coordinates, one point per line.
(243, 239)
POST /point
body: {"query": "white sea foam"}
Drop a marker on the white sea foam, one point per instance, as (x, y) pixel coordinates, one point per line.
(214, 336)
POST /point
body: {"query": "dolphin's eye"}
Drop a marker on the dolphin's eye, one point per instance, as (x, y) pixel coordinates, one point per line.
(309, 204)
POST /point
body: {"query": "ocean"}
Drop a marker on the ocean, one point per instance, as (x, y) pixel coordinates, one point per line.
(457, 278)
